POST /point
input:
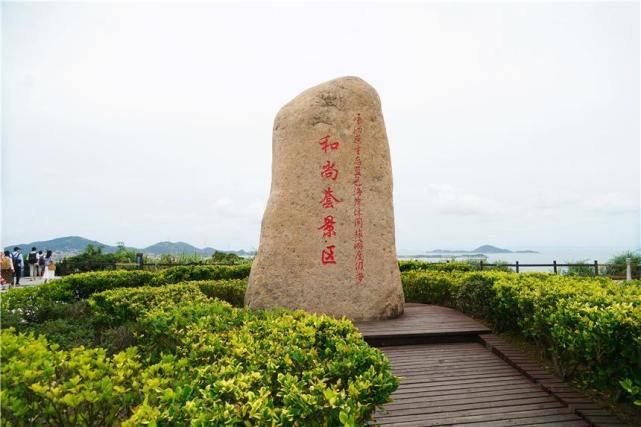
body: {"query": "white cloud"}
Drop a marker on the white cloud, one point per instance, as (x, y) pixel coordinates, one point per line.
(152, 121)
(449, 200)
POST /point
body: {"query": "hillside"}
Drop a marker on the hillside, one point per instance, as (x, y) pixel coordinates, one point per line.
(76, 244)
(483, 249)
(177, 248)
(69, 244)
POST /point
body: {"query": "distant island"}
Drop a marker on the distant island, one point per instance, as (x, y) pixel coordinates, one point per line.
(71, 245)
(484, 249)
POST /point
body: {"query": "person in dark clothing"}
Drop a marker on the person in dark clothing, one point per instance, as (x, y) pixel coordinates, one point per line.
(16, 257)
(33, 263)
(41, 263)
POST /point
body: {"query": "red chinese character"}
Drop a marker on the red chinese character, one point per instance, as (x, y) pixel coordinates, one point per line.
(326, 145)
(327, 256)
(329, 171)
(328, 227)
(329, 199)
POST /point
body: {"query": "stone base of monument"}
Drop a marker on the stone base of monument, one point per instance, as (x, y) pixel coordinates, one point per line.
(327, 241)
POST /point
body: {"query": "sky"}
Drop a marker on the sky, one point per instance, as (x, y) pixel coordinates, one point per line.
(512, 123)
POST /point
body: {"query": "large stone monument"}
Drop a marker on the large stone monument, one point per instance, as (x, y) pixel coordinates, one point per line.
(327, 239)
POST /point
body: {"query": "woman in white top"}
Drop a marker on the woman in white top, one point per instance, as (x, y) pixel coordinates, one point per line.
(50, 268)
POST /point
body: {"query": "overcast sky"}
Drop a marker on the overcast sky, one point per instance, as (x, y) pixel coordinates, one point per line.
(515, 124)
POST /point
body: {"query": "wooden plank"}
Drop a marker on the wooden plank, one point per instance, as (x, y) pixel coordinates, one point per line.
(450, 384)
(455, 372)
(503, 383)
(436, 391)
(494, 419)
(431, 409)
(422, 321)
(566, 394)
(446, 416)
(465, 399)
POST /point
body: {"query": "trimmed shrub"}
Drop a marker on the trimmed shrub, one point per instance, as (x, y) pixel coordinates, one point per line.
(231, 291)
(431, 287)
(269, 368)
(205, 363)
(34, 305)
(67, 333)
(201, 272)
(84, 285)
(473, 293)
(118, 306)
(415, 265)
(42, 385)
(48, 302)
(590, 327)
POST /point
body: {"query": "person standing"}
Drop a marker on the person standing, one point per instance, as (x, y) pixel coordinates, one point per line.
(50, 267)
(16, 258)
(6, 267)
(33, 264)
(41, 263)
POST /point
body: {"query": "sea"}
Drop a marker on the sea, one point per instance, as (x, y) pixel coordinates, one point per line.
(543, 255)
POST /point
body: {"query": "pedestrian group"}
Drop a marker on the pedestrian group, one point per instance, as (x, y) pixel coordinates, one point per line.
(12, 266)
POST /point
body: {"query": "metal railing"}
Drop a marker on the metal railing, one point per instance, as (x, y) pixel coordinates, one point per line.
(595, 266)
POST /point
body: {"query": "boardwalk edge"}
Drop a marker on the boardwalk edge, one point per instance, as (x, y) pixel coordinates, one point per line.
(583, 406)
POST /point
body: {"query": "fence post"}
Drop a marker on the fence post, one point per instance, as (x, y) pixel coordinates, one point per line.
(481, 265)
(554, 263)
(517, 266)
(628, 269)
(596, 268)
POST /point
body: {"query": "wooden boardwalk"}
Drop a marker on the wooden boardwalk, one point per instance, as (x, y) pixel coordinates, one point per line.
(422, 323)
(455, 372)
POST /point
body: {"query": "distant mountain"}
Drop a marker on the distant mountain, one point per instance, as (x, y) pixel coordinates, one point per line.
(76, 244)
(69, 244)
(489, 249)
(483, 249)
(176, 248)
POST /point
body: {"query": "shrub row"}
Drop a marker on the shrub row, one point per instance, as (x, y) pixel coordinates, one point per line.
(469, 265)
(49, 301)
(415, 265)
(199, 361)
(42, 385)
(591, 328)
(118, 306)
(201, 272)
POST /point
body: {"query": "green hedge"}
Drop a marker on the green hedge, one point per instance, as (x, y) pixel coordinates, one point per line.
(415, 265)
(272, 368)
(201, 272)
(199, 361)
(232, 291)
(591, 328)
(451, 266)
(127, 305)
(118, 306)
(42, 385)
(48, 302)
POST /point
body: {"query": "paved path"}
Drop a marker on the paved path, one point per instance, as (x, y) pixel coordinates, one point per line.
(26, 282)
(455, 372)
